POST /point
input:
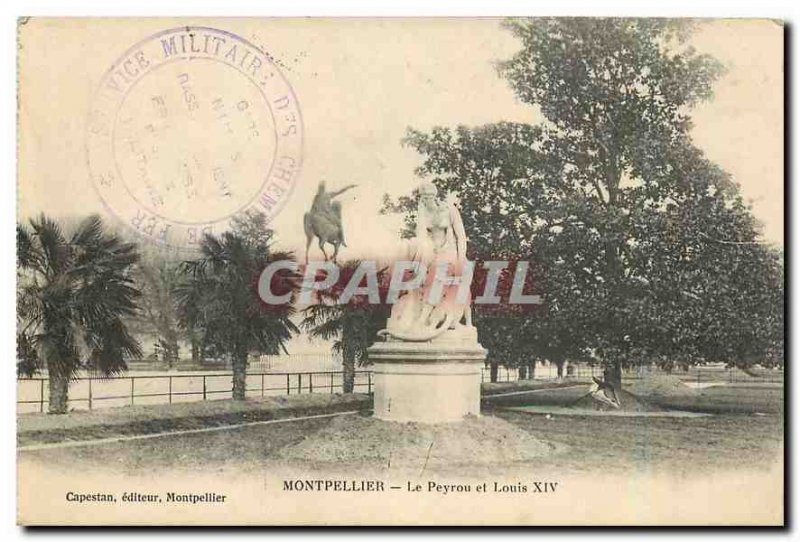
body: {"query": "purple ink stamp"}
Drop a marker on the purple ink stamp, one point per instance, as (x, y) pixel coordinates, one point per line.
(189, 128)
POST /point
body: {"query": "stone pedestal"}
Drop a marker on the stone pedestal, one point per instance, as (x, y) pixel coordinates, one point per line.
(431, 382)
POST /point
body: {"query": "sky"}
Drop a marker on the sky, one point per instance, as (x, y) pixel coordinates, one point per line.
(360, 84)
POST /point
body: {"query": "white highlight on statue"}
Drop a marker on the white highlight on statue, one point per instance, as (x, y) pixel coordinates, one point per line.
(428, 368)
(406, 276)
(440, 248)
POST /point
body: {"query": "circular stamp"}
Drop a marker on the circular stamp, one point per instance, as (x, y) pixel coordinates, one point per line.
(189, 128)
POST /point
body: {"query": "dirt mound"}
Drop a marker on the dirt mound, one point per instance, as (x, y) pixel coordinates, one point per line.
(484, 440)
(628, 403)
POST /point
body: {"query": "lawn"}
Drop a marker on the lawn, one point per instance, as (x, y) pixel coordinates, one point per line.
(745, 430)
(687, 445)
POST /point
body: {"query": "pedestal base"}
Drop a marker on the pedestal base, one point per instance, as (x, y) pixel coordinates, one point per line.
(431, 382)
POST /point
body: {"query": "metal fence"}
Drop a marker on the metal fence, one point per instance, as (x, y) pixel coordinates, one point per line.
(701, 375)
(94, 392)
(730, 375)
(302, 362)
(91, 392)
(548, 372)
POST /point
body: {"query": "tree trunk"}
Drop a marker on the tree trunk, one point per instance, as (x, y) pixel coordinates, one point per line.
(59, 389)
(523, 372)
(196, 350)
(532, 370)
(493, 372)
(560, 368)
(195, 353)
(348, 371)
(612, 374)
(172, 350)
(239, 365)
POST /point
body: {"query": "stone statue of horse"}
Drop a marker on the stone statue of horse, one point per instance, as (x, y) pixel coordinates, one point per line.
(324, 221)
(325, 230)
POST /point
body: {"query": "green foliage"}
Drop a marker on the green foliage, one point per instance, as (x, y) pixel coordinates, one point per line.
(252, 227)
(353, 325)
(73, 297)
(218, 295)
(218, 298)
(158, 277)
(602, 82)
(647, 252)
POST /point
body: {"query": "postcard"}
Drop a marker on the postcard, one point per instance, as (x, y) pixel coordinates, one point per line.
(400, 271)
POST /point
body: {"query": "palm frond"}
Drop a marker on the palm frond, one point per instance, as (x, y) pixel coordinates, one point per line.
(53, 250)
(73, 305)
(216, 295)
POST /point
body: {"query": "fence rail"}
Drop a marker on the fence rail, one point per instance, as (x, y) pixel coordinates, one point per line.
(701, 375)
(152, 389)
(90, 391)
(506, 374)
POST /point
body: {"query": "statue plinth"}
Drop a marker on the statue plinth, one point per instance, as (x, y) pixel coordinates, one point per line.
(431, 382)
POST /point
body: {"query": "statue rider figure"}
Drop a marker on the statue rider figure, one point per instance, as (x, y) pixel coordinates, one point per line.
(324, 220)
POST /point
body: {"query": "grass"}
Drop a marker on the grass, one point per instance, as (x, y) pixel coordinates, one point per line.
(679, 444)
(733, 399)
(139, 420)
(727, 399)
(488, 388)
(745, 432)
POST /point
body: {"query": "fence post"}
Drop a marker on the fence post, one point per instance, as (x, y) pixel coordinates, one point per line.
(299, 382)
(288, 390)
(369, 382)
(331, 383)
(90, 393)
(170, 389)
(311, 383)
(133, 378)
(262, 384)
(204, 388)
(41, 395)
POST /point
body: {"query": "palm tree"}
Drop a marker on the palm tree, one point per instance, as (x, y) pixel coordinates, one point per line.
(353, 325)
(74, 296)
(218, 301)
(157, 275)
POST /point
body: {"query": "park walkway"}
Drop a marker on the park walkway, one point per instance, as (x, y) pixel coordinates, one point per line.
(34, 429)
(120, 422)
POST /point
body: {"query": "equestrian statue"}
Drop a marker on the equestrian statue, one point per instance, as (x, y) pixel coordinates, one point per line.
(324, 221)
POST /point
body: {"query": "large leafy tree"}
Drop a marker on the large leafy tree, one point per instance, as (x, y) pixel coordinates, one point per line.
(352, 325)
(218, 297)
(642, 240)
(75, 293)
(487, 168)
(718, 290)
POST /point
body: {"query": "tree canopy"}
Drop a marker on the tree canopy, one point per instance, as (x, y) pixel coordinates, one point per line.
(75, 293)
(218, 300)
(353, 326)
(647, 250)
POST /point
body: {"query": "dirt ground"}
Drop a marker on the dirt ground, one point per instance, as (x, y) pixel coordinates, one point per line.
(745, 431)
(106, 423)
(484, 440)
